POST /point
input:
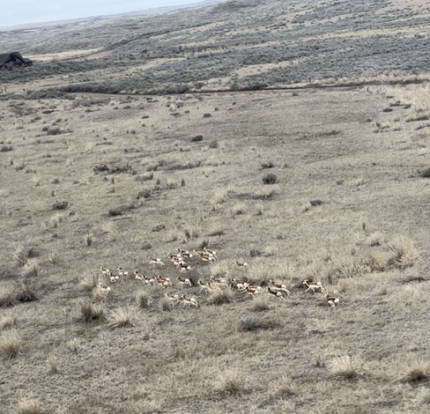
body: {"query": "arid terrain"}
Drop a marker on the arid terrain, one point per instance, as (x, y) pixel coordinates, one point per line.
(103, 163)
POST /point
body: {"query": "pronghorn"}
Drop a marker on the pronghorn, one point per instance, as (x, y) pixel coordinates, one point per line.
(144, 278)
(184, 281)
(105, 271)
(312, 285)
(331, 300)
(204, 286)
(113, 278)
(163, 281)
(184, 253)
(207, 257)
(174, 299)
(239, 284)
(275, 292)
(184, 267)
(253, 290)
(198, 252)
(209, 251)
(122, 273)
(219, 280)
(279, 287)
(155, 261)
(189, 301)
(242, 265)
(177, 261)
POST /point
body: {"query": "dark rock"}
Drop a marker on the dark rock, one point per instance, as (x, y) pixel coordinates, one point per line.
(316, 202)
(144, 194)
(146, 246)
(60, 205)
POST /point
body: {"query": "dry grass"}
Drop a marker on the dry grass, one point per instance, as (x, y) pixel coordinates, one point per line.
(417, 372)
(358, 182)
(7, 295)
(73, 345)
(89, 239)
(31, 268)
(379, 261)
(56, 219)
(375, 239)
(239, 208)
(270, 251)
(53, 365)
(345, 367)
(100, 293)
(404, 251)
(216, 230)
(284, 387)
(30, 406)
(121, 317)
(232, 381)
(7, 321)
(219, 197)
(305, 207)
(54, 257)
(142, 299)
(111, 230)
(21, 255)
(90, 282)
(166, 305)
(218, 296)
(10, 344)
(260, 304)
(90, 312)
(180, 361)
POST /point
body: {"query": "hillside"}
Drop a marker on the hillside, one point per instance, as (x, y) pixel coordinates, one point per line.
(238, 44)
(329, 185)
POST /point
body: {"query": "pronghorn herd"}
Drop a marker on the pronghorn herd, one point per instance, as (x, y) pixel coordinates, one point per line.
(273, 289)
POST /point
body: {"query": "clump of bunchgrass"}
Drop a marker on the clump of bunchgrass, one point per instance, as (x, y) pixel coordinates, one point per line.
(166, 304)
(56, 219)
(218, 296)
(239, 208)
(375, 239)
(404, 252)
(142, 299)
(7, 295)
(91, 312)
(283, 387)
(345, 367)
(90, 282)
(30, 406)
(260, 304)
(10, 344)
(418, 372)
(110, 229)
(8, 321)
(31, 268)
(120, 318)
(379, 261)
(53, 365)
(232, 381)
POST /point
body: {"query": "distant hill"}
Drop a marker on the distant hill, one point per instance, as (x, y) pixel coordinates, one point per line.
(234, 44)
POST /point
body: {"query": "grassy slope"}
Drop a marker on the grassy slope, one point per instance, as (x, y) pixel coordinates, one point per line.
(323, 145)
